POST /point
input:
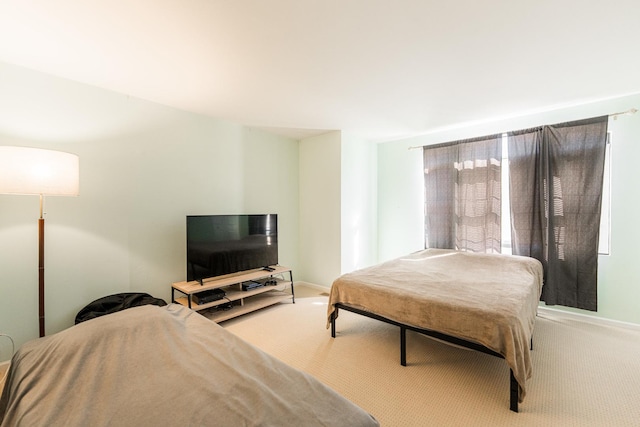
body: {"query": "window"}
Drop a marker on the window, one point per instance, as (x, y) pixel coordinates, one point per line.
(505, 211)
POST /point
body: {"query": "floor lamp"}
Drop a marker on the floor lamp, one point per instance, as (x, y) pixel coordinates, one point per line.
(39, 172)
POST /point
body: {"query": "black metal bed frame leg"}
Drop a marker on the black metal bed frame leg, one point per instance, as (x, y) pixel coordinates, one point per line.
(514, 391)
(403, 346)
(293, 295)
(333, 323)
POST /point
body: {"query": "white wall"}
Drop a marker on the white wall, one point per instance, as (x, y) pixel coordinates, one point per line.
(320, 211)
(143, 168)
(400, 197)
(359, 213)
(400, 200)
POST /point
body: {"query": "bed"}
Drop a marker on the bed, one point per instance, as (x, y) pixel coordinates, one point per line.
(486, 302)
(169, 366)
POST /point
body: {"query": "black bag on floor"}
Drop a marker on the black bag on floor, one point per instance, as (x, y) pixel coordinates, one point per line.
(117, 302)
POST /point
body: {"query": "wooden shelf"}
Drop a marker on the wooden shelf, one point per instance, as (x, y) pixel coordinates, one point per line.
(242, 302)
(194, 286)
(248, 306)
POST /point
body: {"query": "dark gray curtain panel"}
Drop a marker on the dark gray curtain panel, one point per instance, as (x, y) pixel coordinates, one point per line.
(525, 195)
(440, 177)
(462, 194)
(555, 178)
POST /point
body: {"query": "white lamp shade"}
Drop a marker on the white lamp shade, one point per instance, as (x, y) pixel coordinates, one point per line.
(26, 170)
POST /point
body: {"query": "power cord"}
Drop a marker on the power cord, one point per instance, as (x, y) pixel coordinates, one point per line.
(13, 349)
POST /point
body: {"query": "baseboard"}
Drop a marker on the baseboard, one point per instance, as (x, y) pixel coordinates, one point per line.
(313, 285)
(589, 319)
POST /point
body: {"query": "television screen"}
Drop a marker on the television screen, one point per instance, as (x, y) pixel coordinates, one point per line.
(224, 244)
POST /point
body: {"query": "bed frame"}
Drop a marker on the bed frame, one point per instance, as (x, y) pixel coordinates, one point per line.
(513, 384)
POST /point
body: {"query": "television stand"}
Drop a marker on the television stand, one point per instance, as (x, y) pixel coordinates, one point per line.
(276, 289)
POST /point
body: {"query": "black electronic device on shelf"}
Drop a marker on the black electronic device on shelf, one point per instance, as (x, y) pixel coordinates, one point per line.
(211, 295)
(247, 286)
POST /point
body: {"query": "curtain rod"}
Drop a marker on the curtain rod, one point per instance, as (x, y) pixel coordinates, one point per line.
(614, 115)
(623, 113)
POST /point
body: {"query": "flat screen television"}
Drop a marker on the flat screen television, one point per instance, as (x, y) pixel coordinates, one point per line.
(225, 244)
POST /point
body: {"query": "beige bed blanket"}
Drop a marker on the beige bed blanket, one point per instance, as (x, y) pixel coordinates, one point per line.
(162, 366)
(488, 299)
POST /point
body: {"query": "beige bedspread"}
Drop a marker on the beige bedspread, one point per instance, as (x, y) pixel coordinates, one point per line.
(162, 366)
(488, 299)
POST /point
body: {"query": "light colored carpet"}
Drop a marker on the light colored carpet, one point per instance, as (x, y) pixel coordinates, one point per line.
(584, 374)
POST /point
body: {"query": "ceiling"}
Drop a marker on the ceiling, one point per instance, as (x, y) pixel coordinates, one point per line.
(381, 69)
